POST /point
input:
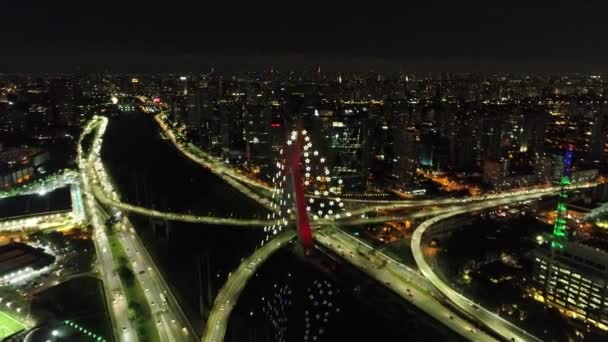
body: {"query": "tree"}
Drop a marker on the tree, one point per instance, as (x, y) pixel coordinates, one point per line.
(126, 275)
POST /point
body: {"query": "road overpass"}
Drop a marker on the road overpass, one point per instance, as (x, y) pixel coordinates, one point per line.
(215, 329)
(400, 279)
(492, 321)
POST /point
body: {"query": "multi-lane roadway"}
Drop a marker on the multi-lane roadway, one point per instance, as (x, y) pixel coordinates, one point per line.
(226, 299)
(492, 321)
(399, 278)
(116, 302)
(171, 322)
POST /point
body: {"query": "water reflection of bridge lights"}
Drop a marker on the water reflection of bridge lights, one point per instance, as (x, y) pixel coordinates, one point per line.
(276, 308)
(321, 307)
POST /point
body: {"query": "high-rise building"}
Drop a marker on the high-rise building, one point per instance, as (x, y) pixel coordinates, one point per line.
(495, 171)
(61, 94)
(548, 167)
(406, 143)
(573, 279)
(344, 139)
(199, 107)
(534, 131)
(258, 138)
(490, 139)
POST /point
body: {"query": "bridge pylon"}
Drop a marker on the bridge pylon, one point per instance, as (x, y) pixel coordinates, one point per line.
(302, 222)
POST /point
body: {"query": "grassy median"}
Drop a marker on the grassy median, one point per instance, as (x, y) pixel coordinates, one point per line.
(139, 310)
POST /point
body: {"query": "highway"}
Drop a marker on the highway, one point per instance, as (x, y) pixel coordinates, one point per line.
(489, 319)
(358, 217)
(399, 278)
(226, 173)
(226, 299)
(597, 212)
(109, 197)
(102, 196)
(171, 322)
(116, 302)
(394, 205)
(115, 293)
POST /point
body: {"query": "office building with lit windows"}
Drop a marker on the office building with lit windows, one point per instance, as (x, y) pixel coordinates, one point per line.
(573, 279)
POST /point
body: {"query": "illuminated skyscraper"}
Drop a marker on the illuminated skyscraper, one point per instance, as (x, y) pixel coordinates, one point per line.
(572, 278)
(406, 144)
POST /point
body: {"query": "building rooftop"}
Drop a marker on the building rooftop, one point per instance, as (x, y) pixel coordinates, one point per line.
(17, 256)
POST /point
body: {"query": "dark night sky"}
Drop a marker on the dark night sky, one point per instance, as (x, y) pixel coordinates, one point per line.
(178, 35)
